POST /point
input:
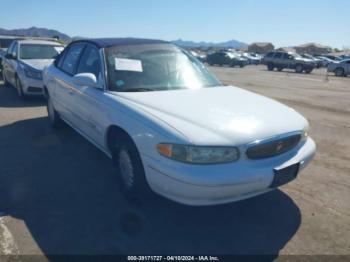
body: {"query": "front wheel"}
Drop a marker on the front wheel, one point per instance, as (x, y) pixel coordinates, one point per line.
(19, 88)
(4, 78)
(339, 71)
(130, 171)
(308, 71)
(270, 67)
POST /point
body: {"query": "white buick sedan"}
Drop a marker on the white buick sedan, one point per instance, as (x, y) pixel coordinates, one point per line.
(170, 126)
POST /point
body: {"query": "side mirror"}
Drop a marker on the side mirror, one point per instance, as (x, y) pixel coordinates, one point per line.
(10, 57)
(86, 79)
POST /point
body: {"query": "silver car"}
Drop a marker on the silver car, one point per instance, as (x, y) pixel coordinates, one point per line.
(340, 68)
(24, 62)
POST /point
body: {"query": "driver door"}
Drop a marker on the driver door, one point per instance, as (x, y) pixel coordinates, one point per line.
(91, 112)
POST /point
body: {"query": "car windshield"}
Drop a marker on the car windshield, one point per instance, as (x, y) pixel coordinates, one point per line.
(155, 67)
(39, 51)
(296, 55)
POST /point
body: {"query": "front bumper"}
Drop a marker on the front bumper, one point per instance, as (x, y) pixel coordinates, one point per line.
(32, 86)
(218, 184)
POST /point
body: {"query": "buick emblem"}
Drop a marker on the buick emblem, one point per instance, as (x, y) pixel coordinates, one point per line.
(279, 147)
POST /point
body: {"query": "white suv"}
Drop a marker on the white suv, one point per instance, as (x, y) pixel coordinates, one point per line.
(24, 62)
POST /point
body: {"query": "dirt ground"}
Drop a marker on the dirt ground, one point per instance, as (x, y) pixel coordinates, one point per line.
(59, 194)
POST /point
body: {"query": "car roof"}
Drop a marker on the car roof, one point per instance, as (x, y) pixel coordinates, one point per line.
(107, 42)
(38, 42)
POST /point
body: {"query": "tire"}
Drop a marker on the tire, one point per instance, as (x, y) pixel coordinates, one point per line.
(6, 83)
(19, 89)
(130, 171)
(308, 71)
(339, 72)
(270, 67)
(279, 69)
(241, 65)
(54, 117)
(299, 69)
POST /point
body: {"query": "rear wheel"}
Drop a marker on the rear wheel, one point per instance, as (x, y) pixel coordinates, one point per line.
(279, 69)
(299, 69)
(270, 67)
(339, 71)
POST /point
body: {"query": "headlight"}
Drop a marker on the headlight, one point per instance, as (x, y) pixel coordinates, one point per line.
(199, 154)
(305, 134)
(31, 73)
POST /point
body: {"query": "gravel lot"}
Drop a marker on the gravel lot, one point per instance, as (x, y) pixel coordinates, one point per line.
(59, 194)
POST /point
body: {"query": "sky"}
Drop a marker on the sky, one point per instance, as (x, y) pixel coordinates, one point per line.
(282, 22)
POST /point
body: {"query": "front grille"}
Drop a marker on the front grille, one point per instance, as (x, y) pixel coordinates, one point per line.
(34, 89)
(273, 148)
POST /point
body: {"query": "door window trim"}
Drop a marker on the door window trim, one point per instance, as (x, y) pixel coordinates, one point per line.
(65, 56)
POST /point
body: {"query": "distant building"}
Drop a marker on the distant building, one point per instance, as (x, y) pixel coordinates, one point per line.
(261, 47)
(345, 53)
(313, 49)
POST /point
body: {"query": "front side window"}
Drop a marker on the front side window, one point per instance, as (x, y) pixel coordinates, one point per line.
(39, 51)
(71, 58)
(90, 61)
(155, 67)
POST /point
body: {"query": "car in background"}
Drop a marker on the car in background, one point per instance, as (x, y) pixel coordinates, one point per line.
(170, 126)
(288, 60)
(318, 61)
(24, 62)
(226, 58)
(340, 68)
(200, 56)
(253, 59)
(5, 42)
(325, 60)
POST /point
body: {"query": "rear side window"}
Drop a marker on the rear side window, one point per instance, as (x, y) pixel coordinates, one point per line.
(278, 55)
(269, 55)
(71, 58)
(90, 61)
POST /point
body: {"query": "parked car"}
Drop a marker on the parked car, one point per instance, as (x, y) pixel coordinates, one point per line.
(318, 62)
(325, 60)
(170, 126)
(288, 60)
(226, 58)
(5, 42)
(201, 57)
(253, 59)
(24, 62)
(340, 68)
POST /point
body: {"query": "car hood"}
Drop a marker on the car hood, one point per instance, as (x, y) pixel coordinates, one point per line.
(218, 116)
(38, 64)
(306, 60)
